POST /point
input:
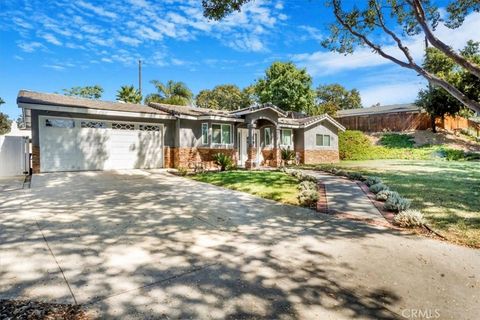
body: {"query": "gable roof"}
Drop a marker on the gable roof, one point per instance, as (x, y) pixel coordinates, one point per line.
(188, 110)
(406, 107)
(51, 99)
(310, 121)
(257, 107)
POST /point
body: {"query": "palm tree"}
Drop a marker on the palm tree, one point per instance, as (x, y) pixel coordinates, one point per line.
(129, 94)
(172, 92)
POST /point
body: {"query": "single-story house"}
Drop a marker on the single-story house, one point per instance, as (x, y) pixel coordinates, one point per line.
(73, 134)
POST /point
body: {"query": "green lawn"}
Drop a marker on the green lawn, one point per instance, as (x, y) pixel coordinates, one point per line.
(447, 192)
(273, 185)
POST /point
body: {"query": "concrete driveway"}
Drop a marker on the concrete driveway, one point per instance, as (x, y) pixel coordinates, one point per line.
(146, 244)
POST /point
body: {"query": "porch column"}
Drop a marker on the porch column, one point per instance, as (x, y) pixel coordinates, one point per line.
(251, 148)
(277, 157)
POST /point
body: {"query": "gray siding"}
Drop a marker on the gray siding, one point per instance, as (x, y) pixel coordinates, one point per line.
(169, 125)
(323, 127)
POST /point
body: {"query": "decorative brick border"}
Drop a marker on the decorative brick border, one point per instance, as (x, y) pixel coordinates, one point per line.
(388, 215)
(322, 203)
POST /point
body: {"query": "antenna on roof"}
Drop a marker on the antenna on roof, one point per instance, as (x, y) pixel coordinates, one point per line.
(140, 76)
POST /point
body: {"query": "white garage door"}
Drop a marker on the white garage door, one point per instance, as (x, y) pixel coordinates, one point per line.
(80, 144)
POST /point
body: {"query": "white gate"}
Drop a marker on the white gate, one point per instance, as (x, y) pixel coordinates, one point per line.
(14, 156)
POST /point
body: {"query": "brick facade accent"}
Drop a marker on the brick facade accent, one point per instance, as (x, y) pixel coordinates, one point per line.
(35, 159)
(188, 157)
(168, 157)
(319, 156)
(271, 157)
(251, 156)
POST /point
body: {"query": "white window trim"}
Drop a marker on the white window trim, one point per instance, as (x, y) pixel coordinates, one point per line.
(281, 138)
(323, 135)
(221, 144)
(207, 136)
(271, 136)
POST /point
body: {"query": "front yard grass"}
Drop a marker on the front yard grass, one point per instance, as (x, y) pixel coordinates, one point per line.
(447, 192)
(274, 185)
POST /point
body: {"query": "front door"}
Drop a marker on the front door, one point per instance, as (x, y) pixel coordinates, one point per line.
(242, 145)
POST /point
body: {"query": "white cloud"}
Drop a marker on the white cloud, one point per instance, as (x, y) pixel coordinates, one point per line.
(310, 33)
(30, 46)
(50, 38)
(98, 10)
(54, 67)
(129, 40)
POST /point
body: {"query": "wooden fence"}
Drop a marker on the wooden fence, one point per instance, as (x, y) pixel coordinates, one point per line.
(405, 121)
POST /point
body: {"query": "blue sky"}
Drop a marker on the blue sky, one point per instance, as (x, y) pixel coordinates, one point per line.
(51, 45)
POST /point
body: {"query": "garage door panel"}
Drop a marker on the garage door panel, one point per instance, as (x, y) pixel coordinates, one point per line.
(100, 148)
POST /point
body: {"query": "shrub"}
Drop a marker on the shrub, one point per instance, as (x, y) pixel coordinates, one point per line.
(409, 219)
(370, 181)
(287, 154)
(353, 145)
(308, 198)
(341, 173)
(307, 185)
(383, 195)
(223, 160)
(376, 188)
(182, 171)
(307, 177)
(396, 203)
(396, 140)
(453, 154)
(355, 176)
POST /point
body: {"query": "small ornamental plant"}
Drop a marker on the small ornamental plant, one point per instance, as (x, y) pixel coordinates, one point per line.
(409, 219)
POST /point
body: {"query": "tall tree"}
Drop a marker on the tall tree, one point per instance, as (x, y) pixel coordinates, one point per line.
(394, 19)
(227, 97)
(172, 92)
(330, 95)
(287, 87)
(5, 123)
(89, 92)
(129, 94)
(435, 100)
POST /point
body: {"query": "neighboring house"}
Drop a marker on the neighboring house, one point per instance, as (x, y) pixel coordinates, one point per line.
(72, 134)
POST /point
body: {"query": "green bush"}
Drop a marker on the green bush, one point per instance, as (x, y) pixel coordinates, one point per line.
(308, 198)
(383, 195)
(307, 177)
(454, 154)
(354, 145)
(396, 140)
(182, 171)
(223, 160)
(307, 185)
(287, 154)
(370, 181)
(409, 219)
(396, 203)
(376, 188)
(355, 176)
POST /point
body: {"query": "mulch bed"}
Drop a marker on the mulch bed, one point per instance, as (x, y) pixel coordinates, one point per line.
(29, 310)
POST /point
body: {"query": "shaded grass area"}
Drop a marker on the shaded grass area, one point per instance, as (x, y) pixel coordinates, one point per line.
(447, 192)
(272, 185)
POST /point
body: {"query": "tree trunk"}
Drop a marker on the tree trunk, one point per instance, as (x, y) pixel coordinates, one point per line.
(432, 122)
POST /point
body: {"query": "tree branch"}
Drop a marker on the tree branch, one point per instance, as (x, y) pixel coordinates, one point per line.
(400, 45)
(377, 48)
(437, 43)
